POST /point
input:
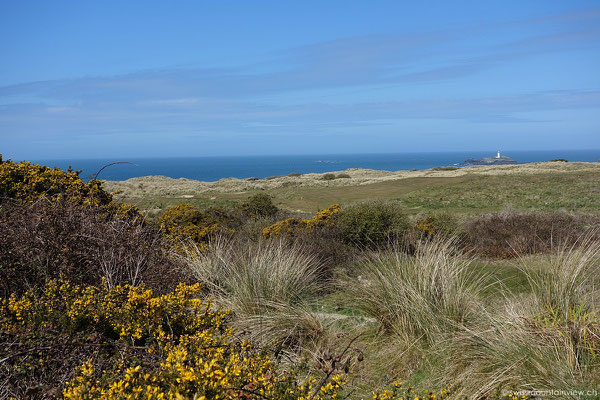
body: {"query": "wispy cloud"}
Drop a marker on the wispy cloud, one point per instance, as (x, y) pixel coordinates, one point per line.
(191, 100)
(356, 61)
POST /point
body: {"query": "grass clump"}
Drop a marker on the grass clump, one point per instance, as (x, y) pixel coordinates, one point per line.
(549, 340)
(328, 177)
(567, 279)
(267, 285)
(373, 223)
(421, 297)
(268, 270)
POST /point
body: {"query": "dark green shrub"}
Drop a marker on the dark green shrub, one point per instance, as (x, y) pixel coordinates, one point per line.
(343, 176)
(372, 223)
(328, 177)
(294, 174)
(260, 205)
(560, 160)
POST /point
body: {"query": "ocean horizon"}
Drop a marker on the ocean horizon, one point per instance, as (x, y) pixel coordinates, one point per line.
(213, 168)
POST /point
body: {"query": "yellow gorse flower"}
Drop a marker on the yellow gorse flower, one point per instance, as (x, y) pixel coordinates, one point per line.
(179, 345)
(291, 226)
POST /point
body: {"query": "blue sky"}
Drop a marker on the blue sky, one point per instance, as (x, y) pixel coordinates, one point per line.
(195, 78)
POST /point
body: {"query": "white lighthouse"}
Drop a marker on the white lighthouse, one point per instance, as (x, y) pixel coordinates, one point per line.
(498, 156)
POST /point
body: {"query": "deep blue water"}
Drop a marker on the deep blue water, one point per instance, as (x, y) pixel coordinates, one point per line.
(215, 168)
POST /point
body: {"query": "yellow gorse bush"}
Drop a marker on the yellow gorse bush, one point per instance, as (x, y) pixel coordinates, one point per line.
(28, 182)
(141, 346)
(184, 224)
(427, 226)
(292, 226)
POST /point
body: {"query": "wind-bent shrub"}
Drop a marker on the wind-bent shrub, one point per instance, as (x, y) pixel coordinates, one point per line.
(125, 343)
(184, 224)
(372, 224)
(293, 226)
(47, 239)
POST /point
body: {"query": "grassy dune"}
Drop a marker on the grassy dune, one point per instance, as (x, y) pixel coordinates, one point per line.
(540, 186)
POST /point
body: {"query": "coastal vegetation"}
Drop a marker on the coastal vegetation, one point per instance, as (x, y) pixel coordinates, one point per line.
(436, 290)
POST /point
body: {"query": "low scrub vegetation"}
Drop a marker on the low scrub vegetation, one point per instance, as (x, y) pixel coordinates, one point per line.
(250, 301)
(49, 239)
(450, 168)
(509, 233)
(373, 224)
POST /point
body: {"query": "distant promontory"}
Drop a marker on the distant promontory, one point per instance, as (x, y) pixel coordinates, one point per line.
(498, 160)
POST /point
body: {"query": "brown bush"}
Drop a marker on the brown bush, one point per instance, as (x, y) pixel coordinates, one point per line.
(48, 239)
(508, 234)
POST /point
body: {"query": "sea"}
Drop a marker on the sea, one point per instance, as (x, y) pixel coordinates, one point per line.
(215, 168)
